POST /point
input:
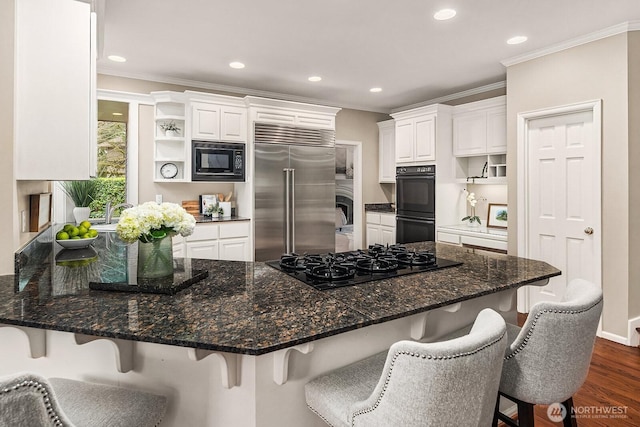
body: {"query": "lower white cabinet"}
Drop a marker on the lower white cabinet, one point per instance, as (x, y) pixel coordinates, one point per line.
(381, 228)
(475, 237)
(221, 241)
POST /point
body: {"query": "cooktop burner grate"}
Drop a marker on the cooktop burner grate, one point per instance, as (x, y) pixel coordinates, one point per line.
(378, 262)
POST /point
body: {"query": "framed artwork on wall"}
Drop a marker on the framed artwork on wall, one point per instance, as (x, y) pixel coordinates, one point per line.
(497, 216)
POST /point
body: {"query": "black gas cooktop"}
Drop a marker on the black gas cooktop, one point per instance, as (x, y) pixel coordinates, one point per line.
(334, 270)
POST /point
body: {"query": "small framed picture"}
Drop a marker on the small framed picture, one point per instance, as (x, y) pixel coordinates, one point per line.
(497, 217)
(40, 211)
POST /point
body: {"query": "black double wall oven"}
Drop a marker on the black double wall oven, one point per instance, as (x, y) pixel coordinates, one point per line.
(415, 203)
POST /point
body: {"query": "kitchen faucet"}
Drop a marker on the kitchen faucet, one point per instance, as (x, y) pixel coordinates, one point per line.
(108, 210)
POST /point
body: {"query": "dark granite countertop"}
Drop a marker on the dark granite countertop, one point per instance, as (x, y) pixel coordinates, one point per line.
(244, 307)
(203, 218)
(379, 207)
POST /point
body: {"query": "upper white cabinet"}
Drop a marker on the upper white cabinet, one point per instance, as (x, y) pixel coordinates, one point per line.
(216, 122)
(197, 116)
(54, 63)
(265, 110)
(386, 152)
(480, 128)
(417, 134)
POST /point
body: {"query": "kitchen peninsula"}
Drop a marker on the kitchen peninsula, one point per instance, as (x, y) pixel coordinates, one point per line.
(267, 334)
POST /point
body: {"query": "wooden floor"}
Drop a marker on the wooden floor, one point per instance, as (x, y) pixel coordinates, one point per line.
(613, 382)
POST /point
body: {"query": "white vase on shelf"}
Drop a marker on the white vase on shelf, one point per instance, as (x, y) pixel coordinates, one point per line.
(81, 214)
(171, 134)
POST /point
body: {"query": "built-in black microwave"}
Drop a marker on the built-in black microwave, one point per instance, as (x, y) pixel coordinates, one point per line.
(217, 161)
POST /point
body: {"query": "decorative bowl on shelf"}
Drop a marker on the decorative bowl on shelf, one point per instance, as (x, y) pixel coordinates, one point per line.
(76, 243)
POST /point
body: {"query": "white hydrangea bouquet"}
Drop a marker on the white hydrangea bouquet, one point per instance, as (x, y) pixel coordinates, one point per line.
(150, 221)
(471, 198)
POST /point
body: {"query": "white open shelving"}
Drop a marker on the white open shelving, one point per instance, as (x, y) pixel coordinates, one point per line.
(170, 108)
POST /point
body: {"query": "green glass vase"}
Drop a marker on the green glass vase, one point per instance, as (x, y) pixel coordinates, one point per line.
(155, 259)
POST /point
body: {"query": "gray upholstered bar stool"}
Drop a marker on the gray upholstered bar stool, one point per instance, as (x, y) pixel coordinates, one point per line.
(29, 400)
(548, 359)
(414, 384)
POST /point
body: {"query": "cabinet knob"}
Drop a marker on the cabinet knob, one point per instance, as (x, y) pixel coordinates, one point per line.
(588, 231)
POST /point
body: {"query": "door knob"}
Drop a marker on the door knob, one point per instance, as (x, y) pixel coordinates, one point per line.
(588, 231)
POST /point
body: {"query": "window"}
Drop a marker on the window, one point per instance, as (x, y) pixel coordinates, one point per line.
(112, 156)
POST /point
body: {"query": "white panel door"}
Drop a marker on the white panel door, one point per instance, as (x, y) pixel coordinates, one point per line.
(404, 141)
(234, 249)
(563, 199)
(205, 120)
(373, 234)
(233, 124)
(425, 138)
(202, 250)
(497, 130)
(388, 235)
(470, 134)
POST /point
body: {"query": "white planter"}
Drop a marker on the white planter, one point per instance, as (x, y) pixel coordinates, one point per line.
(81, 214)
(171, 133)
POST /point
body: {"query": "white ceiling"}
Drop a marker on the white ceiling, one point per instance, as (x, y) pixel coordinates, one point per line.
(353, 44)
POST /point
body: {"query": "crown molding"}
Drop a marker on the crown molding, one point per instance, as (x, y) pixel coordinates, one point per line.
(234, 89)
(577, 41)
(453, 96)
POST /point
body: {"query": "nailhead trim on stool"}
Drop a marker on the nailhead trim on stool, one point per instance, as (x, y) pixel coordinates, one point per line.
(55, 418)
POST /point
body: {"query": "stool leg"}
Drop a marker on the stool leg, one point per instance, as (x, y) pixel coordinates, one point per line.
(569, 421)
(525, 414)
(496, 412)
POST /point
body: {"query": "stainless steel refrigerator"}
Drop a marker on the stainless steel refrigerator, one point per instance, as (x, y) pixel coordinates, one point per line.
(294, 191)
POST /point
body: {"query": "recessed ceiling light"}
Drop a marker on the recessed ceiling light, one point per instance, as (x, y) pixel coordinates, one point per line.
(236, 65)
(117, 58)
(375, 89)
(517, 40)
(444, 14)
(315, 78)
(116, 114)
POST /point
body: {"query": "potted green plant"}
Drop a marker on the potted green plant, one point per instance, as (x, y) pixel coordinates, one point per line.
(82, 194)
(170, 129)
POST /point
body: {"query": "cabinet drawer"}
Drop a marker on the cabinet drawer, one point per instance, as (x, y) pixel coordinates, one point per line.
(373, 218)
(448, 238)
(234, 229)
(486, 243)
(388, 219)
(204, 232)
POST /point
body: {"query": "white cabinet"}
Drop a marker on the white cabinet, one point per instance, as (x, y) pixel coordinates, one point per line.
(480, 128)
(215, 122)
(480, 141)
(415, 139)
(265, 110)
(234, 249)
(381, 228)
(480, 237)
(54, 64)
(418, 132)
(386, 152)
(217, 240)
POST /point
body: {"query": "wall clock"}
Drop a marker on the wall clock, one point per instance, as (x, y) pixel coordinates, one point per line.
(169, 170)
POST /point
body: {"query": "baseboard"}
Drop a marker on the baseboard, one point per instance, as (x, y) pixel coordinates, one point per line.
(615, 338)
(634, 336)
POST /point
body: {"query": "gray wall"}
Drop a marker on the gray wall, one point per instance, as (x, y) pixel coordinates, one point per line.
(597, 70)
